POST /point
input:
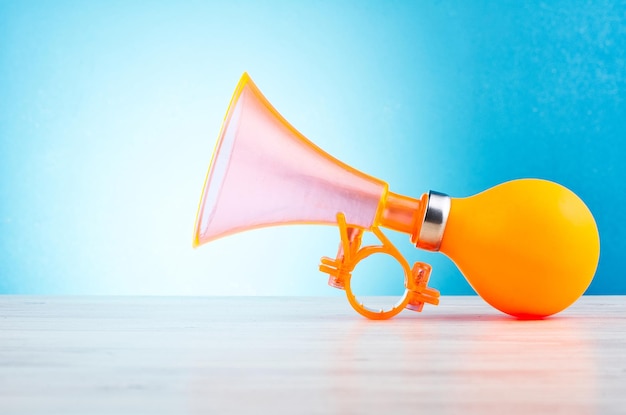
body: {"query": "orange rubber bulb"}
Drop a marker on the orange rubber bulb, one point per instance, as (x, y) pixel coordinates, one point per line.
(528, 247)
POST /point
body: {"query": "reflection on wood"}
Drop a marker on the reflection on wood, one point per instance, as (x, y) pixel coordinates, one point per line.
(103, 355)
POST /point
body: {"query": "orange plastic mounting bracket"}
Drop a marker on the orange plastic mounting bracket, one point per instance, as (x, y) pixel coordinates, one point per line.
(350, 253)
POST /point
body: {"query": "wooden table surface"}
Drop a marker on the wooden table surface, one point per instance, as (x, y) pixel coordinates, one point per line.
(171, 355)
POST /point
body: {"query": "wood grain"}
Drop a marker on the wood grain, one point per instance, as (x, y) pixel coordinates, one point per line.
(167, 355)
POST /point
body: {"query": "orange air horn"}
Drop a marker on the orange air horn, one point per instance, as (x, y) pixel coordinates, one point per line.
(528, 247)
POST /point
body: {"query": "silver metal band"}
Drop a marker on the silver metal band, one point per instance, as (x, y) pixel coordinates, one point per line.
(435, 219)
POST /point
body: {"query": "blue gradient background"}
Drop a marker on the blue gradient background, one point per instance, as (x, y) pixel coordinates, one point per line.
(109, 112)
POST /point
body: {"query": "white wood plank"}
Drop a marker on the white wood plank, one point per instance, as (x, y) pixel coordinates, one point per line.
(158, 355)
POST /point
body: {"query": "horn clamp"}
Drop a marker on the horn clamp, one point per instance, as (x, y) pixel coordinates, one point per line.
(340, 269)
